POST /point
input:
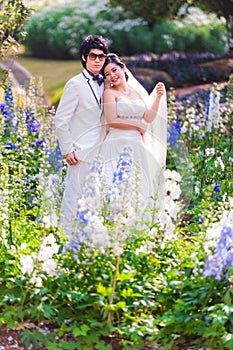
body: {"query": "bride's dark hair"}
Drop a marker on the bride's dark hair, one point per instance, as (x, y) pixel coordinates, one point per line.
(114, 58)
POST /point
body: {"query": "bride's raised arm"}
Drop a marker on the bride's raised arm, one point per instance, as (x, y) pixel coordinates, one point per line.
(156, 135)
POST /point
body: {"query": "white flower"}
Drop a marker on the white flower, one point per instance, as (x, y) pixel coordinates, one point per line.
(219, 162)
(37, 281)
(231, 202)
(210, 152)
(172, 207)
(173, 189)
(213, 113)
(167, 225)
(45, 253)
(214, 231)
(154, 232)
(3, 233)
(197, 187)
(184, 127)
(46, 221)
(23, 246)
(49, 266)
(50, 239)
(27, 264)
(146, 249)
(172, 175)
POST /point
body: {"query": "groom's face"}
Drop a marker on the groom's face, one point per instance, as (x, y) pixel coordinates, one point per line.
(95, 60)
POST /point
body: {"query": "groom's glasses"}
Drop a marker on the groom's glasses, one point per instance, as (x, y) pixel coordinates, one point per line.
(93, 56)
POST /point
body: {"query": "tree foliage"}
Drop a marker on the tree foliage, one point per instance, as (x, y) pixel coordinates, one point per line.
(13, 16)
(154, 11)
(222, 8)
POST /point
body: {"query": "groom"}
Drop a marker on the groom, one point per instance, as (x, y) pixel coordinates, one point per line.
(78, 124)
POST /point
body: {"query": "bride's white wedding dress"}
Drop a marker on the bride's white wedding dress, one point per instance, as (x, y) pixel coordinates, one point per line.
(148, 152)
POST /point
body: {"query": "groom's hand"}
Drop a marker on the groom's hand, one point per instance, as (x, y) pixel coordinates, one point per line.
(71, 159)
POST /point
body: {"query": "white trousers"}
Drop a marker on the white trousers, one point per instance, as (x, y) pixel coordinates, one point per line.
(74, 182)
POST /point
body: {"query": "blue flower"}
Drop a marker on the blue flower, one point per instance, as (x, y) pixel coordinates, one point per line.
(8, 111)
(174, 132)
(82, 217)
(39, 142)
(217, 264)
(121, 174)
(207, 106)
(72, 246)
(216, 197)
(217, 187)
(54, 156)
(200, 219)
(32, 124)
(10, 145)
(40, 219)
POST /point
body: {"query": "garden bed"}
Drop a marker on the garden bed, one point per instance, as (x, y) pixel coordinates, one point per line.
(11, 339)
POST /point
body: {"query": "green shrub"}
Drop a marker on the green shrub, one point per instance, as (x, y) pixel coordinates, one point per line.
(199, 39)
(57, 97)
(45, 37)
(57, 32)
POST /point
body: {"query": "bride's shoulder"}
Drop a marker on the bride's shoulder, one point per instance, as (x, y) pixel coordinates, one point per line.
(109, 93)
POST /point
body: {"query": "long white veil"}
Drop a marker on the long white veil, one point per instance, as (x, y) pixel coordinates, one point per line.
(156, 134)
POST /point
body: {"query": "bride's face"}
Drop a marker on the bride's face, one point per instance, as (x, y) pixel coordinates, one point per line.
(114, 74)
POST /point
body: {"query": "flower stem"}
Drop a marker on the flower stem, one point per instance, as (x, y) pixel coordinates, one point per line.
(113, 288)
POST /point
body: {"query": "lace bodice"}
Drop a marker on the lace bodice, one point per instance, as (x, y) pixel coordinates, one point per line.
(130, 109)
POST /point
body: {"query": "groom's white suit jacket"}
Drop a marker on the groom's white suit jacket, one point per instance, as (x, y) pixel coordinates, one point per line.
(78, 119)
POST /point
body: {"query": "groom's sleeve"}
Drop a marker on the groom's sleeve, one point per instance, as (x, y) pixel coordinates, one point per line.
(65, 112)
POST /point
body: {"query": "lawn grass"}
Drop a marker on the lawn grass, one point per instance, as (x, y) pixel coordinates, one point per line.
(54, 73)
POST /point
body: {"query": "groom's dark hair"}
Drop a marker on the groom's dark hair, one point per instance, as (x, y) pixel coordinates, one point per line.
(92, 42)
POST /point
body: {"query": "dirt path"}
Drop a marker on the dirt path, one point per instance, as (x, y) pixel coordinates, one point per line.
(180, 92)
(19, 75)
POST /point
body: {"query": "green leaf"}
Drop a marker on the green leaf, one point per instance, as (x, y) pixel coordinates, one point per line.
(53, 346)
(81, 330)
(101, 345)
(104, 291)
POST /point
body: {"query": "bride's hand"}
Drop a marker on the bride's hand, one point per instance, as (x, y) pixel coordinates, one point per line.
(142, 128)
(160, 88)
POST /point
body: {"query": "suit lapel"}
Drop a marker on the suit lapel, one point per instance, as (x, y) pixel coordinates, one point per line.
(92, 90)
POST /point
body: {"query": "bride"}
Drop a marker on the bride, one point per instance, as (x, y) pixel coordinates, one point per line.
(138, 120)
